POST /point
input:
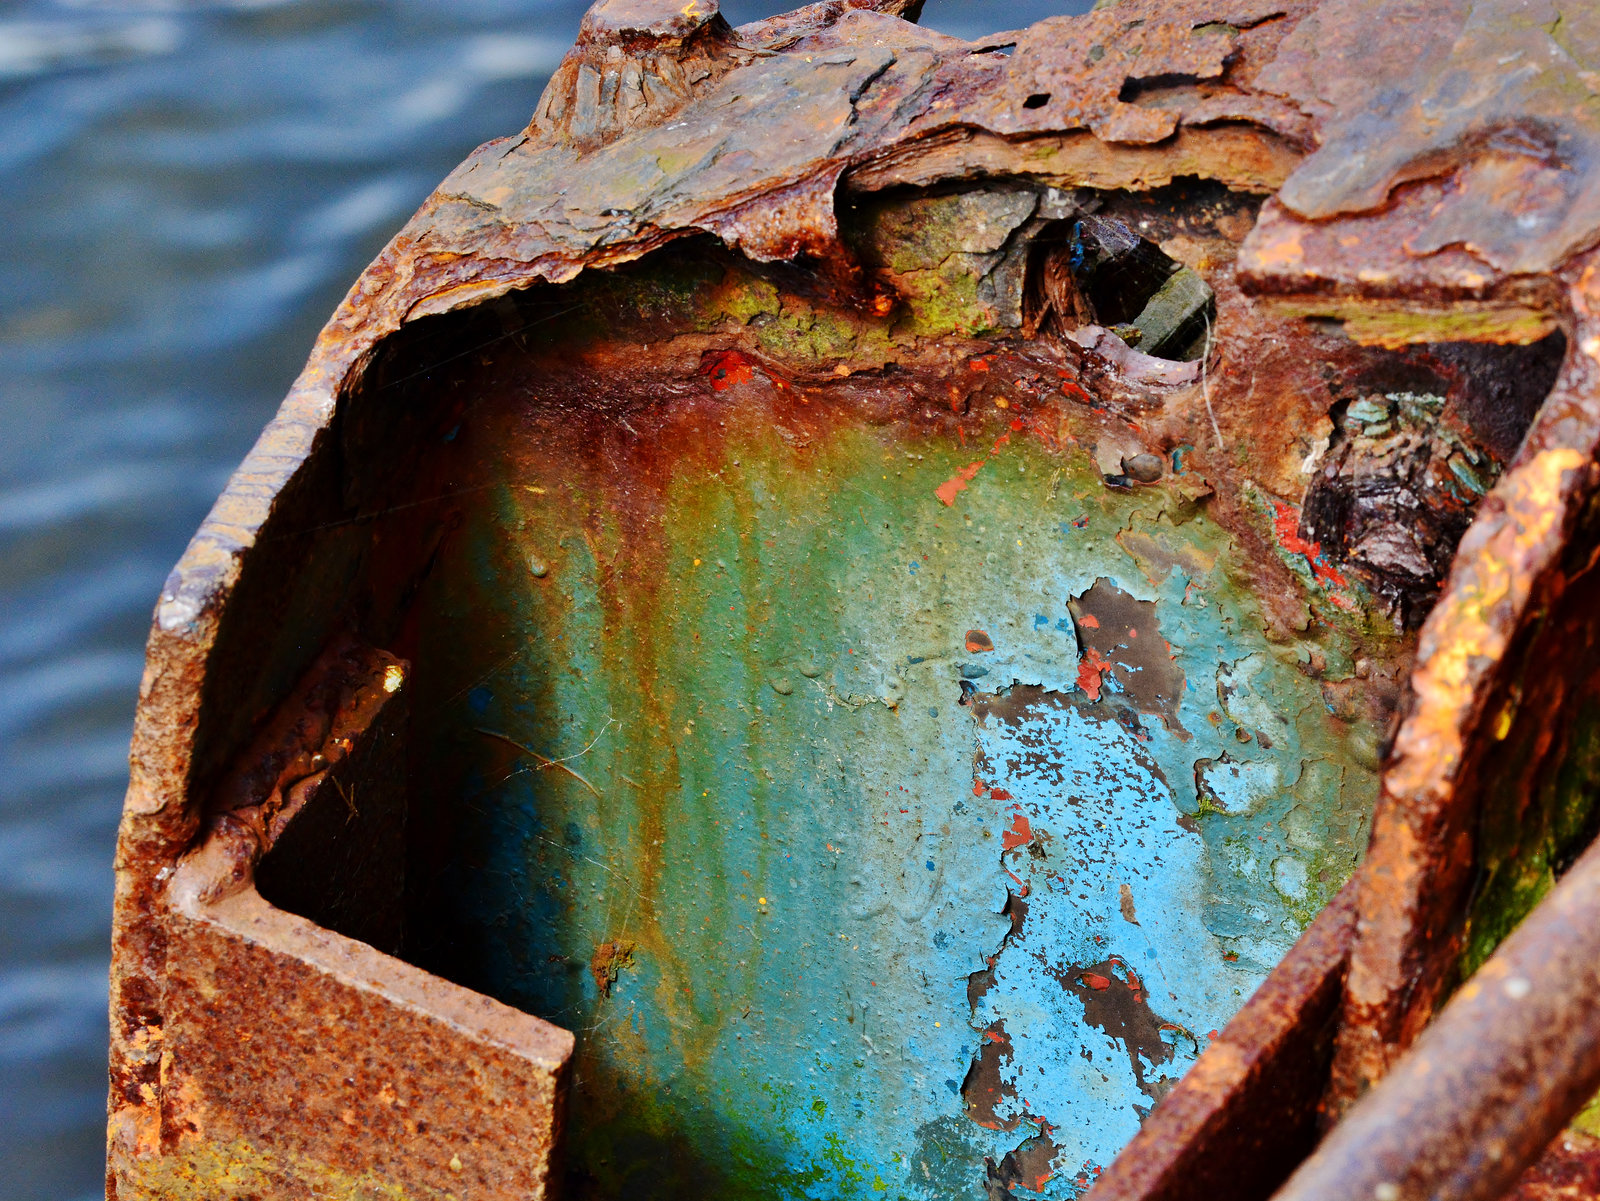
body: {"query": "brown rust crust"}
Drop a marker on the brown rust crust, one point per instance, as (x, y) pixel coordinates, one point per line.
(1492, 1081)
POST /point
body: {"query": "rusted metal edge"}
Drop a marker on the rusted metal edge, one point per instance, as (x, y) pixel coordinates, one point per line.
(1492, 1080)
(410, 1061)
(1245, 1114)
(1420, 863)
(418, 1073)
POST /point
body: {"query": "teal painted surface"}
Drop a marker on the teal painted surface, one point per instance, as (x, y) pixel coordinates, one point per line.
(838, 906)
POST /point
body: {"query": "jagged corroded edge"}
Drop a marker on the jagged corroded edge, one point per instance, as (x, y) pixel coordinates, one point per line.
(1506, 571)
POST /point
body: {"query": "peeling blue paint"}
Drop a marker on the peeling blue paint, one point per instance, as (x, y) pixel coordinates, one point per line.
(867, 867)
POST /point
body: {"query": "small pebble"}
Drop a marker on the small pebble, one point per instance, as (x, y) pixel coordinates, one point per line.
(539, 568)
(1146, 468)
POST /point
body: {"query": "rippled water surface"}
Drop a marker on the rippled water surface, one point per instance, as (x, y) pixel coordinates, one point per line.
(186, 189)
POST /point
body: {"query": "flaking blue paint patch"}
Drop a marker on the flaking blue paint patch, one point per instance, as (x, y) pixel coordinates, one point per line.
(1109, 878)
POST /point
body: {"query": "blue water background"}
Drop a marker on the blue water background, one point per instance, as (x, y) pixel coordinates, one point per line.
(186, 190)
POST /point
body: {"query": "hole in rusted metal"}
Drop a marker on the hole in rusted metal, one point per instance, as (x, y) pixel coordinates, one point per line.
(1133, 88)
(1097, 270)
(1412, 454)
(1037, 100)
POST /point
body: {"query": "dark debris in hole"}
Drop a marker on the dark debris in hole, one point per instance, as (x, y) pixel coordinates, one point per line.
(1095, 270)
(1394, 493)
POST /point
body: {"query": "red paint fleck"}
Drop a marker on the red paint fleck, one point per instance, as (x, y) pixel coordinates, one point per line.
(1095, 981)
(1089, 621)
(977, 787)
(1020, 833)
(1286, 525)
(978, 642)
(947, 491)
(1016, 424)
(1000, 794)
(1212, 1034)
(1079, 523)
(728, 369)
(1037, 1183)
(1092, 669)
(994, 1036)
(978, 365)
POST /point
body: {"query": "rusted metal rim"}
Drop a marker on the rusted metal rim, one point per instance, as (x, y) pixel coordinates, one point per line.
(1492, 1081)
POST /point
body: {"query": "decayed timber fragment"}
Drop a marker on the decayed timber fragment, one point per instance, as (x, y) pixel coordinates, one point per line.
(881, 586)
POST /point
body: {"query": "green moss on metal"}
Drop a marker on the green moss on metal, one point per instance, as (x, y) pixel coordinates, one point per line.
(954, 259)
(1525, 832)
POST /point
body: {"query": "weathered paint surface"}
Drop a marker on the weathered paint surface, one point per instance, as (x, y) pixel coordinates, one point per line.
(864, 828)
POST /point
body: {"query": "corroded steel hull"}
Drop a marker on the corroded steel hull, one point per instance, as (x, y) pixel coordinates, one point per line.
(854, 613)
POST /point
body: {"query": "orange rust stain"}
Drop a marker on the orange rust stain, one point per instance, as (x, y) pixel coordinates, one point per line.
(1035, 1184)
(1020, 833)
(1281, 251)
(947, 491)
